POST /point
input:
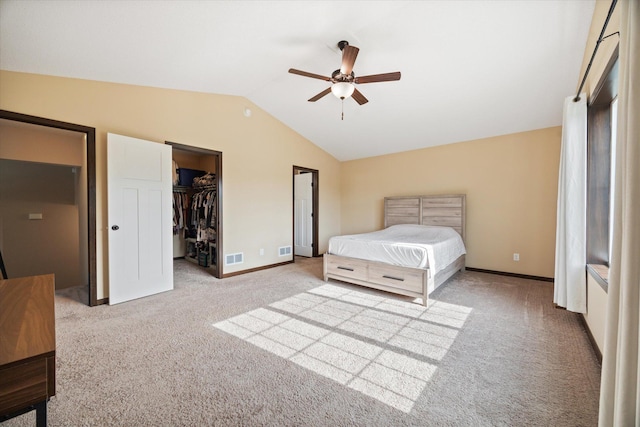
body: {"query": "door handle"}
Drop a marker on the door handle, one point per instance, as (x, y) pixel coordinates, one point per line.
(115, 228)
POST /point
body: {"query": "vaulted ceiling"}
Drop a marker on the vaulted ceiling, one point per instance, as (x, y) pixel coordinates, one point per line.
(470, 69)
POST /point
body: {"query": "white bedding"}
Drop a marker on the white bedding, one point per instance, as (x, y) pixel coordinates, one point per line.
(407, 245)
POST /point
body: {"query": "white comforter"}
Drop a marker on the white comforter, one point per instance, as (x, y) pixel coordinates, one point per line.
(407, 245)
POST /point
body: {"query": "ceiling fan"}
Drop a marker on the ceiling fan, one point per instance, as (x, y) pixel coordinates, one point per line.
(344, 79)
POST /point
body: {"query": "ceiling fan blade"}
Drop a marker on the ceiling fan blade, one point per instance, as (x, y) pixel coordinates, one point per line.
(359, 97)
(306, 74)
(349, 54)
(386, 77)
(320, 95)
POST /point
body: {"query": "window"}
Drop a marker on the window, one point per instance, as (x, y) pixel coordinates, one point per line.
(612, 175)
(601, 134)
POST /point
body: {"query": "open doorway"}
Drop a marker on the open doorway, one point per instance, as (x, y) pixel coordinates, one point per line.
(305, 211)
(78, 197)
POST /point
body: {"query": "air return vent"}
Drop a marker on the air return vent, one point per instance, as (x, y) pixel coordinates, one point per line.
(231, 259)
(284, 250)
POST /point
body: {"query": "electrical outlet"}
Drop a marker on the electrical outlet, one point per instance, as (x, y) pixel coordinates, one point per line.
(261, 251)
(516, 257)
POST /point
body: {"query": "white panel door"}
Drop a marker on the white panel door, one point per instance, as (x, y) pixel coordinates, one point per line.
(140, 218)
(303, 217)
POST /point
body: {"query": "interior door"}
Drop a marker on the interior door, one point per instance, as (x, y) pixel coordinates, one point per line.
(303, 218)
(140, 218)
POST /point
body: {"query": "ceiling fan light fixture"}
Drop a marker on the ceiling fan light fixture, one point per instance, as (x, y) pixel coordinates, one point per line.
(342, 90)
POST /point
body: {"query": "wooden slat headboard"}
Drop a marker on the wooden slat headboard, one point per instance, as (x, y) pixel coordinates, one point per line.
(443, 210)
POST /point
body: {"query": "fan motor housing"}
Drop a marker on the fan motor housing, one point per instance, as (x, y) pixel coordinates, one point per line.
(337, 77)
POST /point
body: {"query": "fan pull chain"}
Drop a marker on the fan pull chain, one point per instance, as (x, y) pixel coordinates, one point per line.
(342, 109)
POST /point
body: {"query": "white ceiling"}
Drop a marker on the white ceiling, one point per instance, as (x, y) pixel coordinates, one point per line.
(470, 69)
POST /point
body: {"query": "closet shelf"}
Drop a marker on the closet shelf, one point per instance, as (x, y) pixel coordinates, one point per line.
(180, 188)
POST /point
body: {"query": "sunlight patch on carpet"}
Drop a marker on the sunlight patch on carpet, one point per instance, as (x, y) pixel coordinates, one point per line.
(385, 348)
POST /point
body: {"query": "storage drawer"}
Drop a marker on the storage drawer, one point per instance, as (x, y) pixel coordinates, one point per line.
(352, 268)
(23, 384)
(389, 275)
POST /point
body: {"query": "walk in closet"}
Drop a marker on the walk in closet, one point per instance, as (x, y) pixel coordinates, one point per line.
(196, 207)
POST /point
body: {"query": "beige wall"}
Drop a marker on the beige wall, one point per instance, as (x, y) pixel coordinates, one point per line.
(31, 143)
(510, 181)
(258, 153)
(511, 186)
(596, 297)
(606, 48)
(596, 310)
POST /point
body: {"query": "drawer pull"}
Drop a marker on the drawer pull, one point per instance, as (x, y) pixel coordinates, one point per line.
(345, 268)
(399, 279)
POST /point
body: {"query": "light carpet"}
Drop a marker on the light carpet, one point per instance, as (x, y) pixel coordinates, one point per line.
(281, 347)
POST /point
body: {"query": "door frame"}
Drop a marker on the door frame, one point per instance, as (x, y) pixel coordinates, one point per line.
(315, 200)
(90, 141)
(218, 162)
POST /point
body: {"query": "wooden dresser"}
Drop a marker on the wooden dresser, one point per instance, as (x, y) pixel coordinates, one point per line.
(27, 346)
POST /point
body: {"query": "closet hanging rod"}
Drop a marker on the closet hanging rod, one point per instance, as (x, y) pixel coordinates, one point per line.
(593, 55)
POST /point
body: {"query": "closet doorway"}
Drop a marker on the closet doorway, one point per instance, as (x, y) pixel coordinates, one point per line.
(198, 207)
(36, 149)
(305, 212)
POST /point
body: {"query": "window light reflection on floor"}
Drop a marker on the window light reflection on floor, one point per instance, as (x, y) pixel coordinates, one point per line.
(383, 347)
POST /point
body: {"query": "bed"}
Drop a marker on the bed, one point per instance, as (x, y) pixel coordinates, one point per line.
(420, 248)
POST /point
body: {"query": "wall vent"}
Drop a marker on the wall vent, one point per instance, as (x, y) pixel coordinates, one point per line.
(231, 259)
(284, 250)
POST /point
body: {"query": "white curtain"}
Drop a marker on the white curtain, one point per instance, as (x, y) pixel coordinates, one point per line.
(620, 385)
(570, 283)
